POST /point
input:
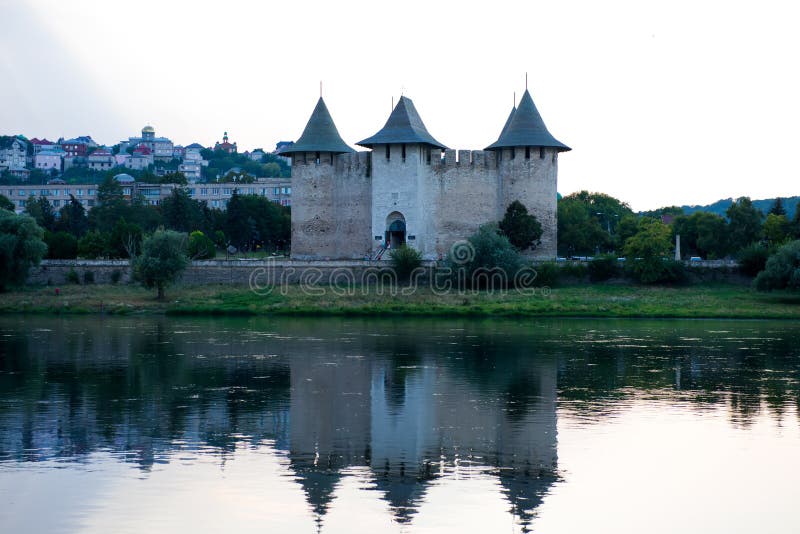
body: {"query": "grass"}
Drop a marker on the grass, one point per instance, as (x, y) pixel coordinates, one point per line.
(706, 301)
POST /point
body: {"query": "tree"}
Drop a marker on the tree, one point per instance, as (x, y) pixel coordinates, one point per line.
(42, 212)
(522, 229)
(404, 261)
(183, 214)
(174, 178)
(21, 247)
(782, 270)
(744, 224)
(162, 260)
(702, 234)
(6, 204)
(93, 244)
(125, 240)
(589, 222)
(648, 251)
(61, 245)
(72, 218)
(777, 229)
(777, 207)
(488, 253)
(201, 247)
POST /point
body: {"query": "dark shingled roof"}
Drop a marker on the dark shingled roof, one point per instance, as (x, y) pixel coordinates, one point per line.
(320, 134)
(508, 121)
(526, 128)
(404, 126)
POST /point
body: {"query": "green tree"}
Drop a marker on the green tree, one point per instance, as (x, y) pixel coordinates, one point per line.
(777, 207)
(174, 178)
(93, 244)
(183, 214)
(521, 228)
(647, 252)
(162, 260)
(61, 245)
(125, 239)
(404, 260)
(201, 247)
(21, 247)
(744, 224)
(702, 234)
(6, 204)
(488, 260)
(589, 222)
(777, 229)
(42, 212)
(782, 270)
(73, 219)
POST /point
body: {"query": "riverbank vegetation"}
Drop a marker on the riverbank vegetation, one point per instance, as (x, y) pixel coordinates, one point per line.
(712, 301)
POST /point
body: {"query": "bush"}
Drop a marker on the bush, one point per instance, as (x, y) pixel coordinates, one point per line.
(547, 274)
(93, 245)
(201, 247)
(116, 276)
(522, 229)
(162, 260)
(404, 260)
(603, 267)
(657, 271)
(21, 247)
(61, 246)
(753, 259)
(782, 270)
(72, 277)
(486, 259)
(575, 270)
(88, 277)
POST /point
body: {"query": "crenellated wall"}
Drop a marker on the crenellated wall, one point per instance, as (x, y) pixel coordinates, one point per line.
(341, 204)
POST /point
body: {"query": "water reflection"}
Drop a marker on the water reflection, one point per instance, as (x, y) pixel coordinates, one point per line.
(396, 405)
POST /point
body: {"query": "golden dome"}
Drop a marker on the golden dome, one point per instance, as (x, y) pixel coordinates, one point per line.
(148, 129)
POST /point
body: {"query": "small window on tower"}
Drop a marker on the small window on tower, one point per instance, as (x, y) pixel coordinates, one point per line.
(388, 153)
(403, 152)
(513, 153)
(527, 152)
(316, 156)
(541, 152)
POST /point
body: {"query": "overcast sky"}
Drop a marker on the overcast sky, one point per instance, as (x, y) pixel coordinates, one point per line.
(662, 102)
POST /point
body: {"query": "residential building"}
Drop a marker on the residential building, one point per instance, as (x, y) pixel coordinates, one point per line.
(39, 144)
(192, 166)
(141, 159)
(100, 160)
(13, 153)
(161, 148)
(48, 158)
(77, 146)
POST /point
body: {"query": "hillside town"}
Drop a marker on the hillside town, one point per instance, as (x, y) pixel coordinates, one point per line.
(147, 166)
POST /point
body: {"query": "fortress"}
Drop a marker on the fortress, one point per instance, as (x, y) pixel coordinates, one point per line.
(410, 189)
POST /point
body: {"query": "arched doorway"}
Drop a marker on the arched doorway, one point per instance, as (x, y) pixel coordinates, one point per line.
(395, 230)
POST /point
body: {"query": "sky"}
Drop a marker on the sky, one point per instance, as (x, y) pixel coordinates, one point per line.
(679, 102)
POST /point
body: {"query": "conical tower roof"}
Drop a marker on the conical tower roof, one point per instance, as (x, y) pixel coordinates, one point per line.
(320, 134)
(508, 121)
(404, 126)
(526, 128)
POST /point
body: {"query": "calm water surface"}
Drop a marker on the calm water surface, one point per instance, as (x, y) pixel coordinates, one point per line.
(353, 425)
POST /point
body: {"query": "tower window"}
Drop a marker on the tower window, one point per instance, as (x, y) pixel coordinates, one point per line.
(513, 152)
(527, 152)
(316, 156)
(428, 155)
(404, 152)
(541, 152)
(388, 153)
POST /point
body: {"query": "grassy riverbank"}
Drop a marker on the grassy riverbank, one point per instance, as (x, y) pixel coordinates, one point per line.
(714, 301)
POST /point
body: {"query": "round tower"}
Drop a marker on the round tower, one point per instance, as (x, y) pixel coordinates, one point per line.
(527, 159)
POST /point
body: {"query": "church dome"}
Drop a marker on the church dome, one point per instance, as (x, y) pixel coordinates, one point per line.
(148, 129)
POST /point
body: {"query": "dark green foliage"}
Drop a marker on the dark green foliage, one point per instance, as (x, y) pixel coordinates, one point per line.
(753, 258)
(72, 277)
(744, 224)
(782, 270)
(702, 234)
(162, 260)
(220, 162)
(125, 240)
(648, 251)
(21, 247)
(201, 247)
(72, 218)
(574, 270)
(657, 271)
(116, 276)
(6, 204)
(184, 214)
(173, 178)
(603, 267)
(93, 245)
(547, 274)
(61, 246)
(521, 228)
(42, 212)
(777, 229)
(590, 222)
(777, 207)
(488, 259)
(404, 260)
(88, 277)
(252, 221)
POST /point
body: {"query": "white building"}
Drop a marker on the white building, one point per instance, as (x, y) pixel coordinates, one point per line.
(49, 158)
(192, 166)
(101, 160)
(13, 152)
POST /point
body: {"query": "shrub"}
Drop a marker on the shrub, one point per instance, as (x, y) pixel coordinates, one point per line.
(576, 270)
(404, 260)
(522, 229)
(782, 270)
(162, 260)
(201, 247)
(93, 245)
(72, 277)
(116, 276)
(657, 271)
(547, 274)
(61, 245)
(603, 267)
(88, 277)
(753, 259)
(486, 259)
(21, 247)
